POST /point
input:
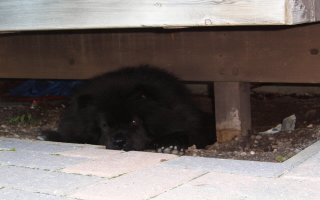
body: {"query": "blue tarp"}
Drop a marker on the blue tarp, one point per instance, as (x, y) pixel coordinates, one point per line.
(41, 88)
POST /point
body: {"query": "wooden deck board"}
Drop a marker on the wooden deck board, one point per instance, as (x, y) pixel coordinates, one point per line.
(17, 15)
(242, 54)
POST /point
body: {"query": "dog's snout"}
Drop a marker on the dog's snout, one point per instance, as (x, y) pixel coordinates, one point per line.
(119, 141)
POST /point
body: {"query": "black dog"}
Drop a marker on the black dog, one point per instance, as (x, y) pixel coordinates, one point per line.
(134, 108)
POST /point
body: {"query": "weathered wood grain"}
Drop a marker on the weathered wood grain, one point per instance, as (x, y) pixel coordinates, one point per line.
(246, 54)
(17, 15)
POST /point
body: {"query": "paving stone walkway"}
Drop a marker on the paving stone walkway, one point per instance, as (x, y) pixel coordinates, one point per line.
(59, 171)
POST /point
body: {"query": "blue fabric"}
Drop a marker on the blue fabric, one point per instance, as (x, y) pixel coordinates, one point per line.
(42, 88)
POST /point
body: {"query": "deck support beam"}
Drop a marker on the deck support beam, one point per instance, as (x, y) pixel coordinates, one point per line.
(232, 109)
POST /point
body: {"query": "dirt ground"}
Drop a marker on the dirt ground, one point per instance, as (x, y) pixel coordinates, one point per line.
(267, 111)
(18, 120)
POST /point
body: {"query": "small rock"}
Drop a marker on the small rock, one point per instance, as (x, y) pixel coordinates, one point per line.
(258, 137)
(275, 150)
(252, 152)
(253, 137)
(297, 150)
(310, 126)
(3, 126)
(288, 144)
(256, 142)
(271, 138)
(211, 147)
(193, 147)
(243, 154)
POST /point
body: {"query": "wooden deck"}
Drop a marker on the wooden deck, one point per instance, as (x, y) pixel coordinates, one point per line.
(17, 15)
(39, 40)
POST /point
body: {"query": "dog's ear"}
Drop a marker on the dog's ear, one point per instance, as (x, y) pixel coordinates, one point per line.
(85, 100)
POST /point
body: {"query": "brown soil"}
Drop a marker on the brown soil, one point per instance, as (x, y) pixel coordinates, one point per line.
(268, 110)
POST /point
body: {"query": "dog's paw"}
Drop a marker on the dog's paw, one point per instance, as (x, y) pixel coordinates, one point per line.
(171, 150)
(172, 144)
(50, 136)
(42, 138)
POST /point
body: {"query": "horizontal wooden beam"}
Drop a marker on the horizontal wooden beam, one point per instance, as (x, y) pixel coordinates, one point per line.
(17, 15)
(241, 54)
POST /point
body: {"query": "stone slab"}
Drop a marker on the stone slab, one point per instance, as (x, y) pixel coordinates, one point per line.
(143, 183)
(304, 154)
(40, 181)
(37, 160)
(118, 164)
(231, 186)
(310, 169)
(12, 194)
(49, 143)
(89, 153)
(21, 145)
(253, 168)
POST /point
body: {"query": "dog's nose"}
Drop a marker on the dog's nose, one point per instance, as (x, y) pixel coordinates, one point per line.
(119, 142)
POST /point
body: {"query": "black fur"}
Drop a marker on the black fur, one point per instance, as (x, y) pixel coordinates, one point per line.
(134, 108)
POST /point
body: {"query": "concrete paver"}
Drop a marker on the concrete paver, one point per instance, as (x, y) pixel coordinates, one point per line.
(37, 160)
(310, 169)
(89, 153)
(10, 194)
(44, 170)
(253, 168)
(143, 183)
(118, 164)
(233, 186)
(44, 147)
(45, 182)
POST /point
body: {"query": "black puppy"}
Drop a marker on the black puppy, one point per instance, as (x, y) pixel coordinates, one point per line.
(134, 108)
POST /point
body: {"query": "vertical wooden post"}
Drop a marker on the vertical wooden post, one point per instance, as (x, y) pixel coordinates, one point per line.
(232, 109)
